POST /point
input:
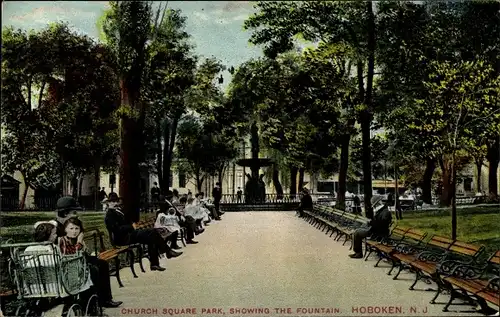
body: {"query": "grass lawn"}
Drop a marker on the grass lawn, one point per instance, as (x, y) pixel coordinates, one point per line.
(479, 225)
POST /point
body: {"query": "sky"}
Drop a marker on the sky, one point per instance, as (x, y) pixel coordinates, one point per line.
(216, 26)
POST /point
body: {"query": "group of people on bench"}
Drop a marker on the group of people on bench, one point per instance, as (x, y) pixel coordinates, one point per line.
(67, 232)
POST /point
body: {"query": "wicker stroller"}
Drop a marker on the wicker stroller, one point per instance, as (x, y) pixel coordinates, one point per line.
(50, 284)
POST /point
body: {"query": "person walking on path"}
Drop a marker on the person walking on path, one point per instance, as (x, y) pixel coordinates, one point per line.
(379, 226)
(217, 195)
(239, 196)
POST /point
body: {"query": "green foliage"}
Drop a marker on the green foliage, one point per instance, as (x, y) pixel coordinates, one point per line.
(203, 150)
(460, 97)
(58, 97)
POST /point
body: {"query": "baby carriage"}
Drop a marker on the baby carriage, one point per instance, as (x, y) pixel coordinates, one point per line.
(50, 284)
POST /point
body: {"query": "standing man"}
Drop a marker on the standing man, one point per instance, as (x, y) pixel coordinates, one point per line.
(357, 205)
(102, 194)
(239, 195)
(155, 194)
(217, 195)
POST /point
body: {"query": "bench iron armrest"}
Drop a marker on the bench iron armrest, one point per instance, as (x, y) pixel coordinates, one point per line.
(432, 256)
(447, 267)
(468, 272)
(407, 248)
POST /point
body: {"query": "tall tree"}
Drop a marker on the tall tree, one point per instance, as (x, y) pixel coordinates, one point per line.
(172, 73)
(459, 97)
(351, 23)
(58, 100)
(130, 31)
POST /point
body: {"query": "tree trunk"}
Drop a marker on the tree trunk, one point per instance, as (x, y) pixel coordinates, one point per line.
(22, 203)
(234, 179)
(493, 157)
(97, 178)
(62, 178)
(220, 176)
(447, 179)
(129, 170)
(80, 186)
(479, 164)
(159, 155)
(301, 178)
(344, 165)
(430, 167)
(366, 114)
(168, 152)
(454, 200)
(199, 181)
(74, 185)
(293, 180)
(277, 183)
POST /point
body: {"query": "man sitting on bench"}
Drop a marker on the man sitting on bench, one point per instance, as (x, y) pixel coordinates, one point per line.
(124, 233)
(379, 226)
(306, 202)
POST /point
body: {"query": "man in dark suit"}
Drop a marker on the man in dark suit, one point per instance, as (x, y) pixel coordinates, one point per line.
(123, 232)
(217, 195)
(66, 207)
(306, 202)
(379, 226)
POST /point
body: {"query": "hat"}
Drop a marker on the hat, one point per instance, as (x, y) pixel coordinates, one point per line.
(67, 203)
(52, 222)
(376, 199)
(113, 197)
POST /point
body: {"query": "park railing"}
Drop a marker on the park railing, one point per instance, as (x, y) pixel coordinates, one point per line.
(274, 199)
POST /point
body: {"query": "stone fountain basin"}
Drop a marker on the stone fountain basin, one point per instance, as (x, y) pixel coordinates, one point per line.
(255, 162)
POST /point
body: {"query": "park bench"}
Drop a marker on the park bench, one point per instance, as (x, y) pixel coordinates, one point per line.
(387, 247)
(424, 261)
(341, 222)
(94, 240)
(372, 244)
(324, 216)
(474, 280)
(348, 224)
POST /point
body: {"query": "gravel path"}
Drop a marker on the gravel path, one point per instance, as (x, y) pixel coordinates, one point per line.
(276, 264)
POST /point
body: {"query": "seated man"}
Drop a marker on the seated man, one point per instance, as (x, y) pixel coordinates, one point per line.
(306, 202)
(123, 233)
(66, 208)
(186, 221)
(193, 210)
(167, 225)
(379, 226)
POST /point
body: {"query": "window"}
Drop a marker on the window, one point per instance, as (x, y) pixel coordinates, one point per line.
(171, 179)
(182, 180)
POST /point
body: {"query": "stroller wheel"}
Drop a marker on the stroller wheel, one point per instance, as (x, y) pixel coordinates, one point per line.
(73, 311)
(93, 308)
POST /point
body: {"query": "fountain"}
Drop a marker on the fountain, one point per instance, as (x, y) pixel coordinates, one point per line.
(255, 189)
